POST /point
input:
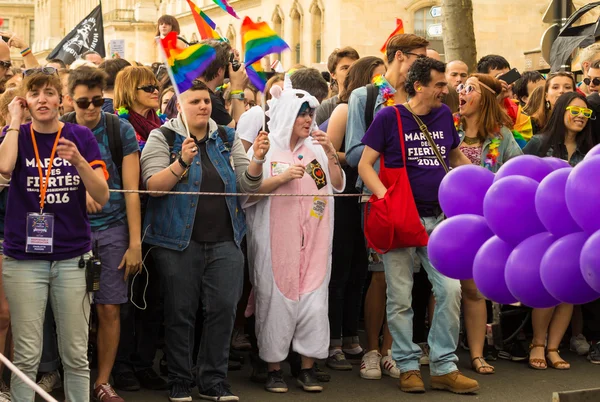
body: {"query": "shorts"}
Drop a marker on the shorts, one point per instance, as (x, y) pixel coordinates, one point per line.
(112, 245)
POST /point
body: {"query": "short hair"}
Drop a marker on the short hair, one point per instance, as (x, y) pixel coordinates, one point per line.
(112, 67)
(491, 62)
(311, 81)
(421, 71)
(359, 75)
(127, 82)
(520, 86)
(39, 80)
(339, 54)
(596, 64)
(57, 61)
(404, 43)
(85, 54)
(223, 50)
(88, 76)
(169, 20)
(198, 85)
(590, 53)
(81, 62)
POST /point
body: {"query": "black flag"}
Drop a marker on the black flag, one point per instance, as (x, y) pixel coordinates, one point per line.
(87, 35)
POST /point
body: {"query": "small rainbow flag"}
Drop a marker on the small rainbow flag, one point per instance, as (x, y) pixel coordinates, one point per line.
(205, 25)
(259, 40)
(225, 6)
(399, 30)
(185, 65)
(257, 75)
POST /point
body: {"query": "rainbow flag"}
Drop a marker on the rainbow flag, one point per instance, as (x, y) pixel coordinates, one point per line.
(205, 25)
(257, 75)
(225, 6)
(399, 30)
(185, 65)
(259, 40)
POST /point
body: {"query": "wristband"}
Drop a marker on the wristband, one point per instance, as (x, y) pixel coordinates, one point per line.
(182, 162)
(174, 174)
(259, 161)
(12, 129)
(236, 92)
(239, 96)
(25, 51)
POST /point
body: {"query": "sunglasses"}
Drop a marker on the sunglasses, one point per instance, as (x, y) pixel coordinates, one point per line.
(595, 81)
(467, 88)
(5, 64)
(576, 111)
(43, 70)
(85, 103)
(149, 88)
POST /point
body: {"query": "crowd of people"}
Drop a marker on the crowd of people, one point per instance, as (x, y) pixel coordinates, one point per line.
(286, 274)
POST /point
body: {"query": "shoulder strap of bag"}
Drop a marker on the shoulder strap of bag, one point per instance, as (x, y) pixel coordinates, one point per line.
(372, 92)
(169, 136)
(401, 134)
(113, 130)
(425, 131)
(68, 118)
(224, 137)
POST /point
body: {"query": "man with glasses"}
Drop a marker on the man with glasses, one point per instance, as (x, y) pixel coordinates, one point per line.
(116, 227)
(592, 81)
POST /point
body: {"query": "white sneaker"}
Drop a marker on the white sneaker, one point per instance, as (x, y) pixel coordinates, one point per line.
(388, 366)
(50, 381)
(424, 360)
(580, 345)
(369, 366)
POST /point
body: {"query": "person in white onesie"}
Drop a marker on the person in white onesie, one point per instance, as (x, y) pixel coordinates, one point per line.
(290, 238)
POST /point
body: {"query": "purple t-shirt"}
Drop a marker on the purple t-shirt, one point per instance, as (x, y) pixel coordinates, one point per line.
(424, 170)
(65, 197)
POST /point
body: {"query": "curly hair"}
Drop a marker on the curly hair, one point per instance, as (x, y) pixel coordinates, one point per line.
(421, 71)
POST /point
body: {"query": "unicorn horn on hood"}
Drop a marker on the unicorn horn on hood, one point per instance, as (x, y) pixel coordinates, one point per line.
(287, 82)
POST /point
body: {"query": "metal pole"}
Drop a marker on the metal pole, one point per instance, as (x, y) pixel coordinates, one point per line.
(561, 14)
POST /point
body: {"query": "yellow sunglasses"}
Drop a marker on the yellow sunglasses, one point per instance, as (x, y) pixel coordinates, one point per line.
(577, 110)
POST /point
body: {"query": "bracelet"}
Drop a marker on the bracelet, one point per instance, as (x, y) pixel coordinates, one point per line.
(259, 161)
(253, 178)
(25, 51)
(12, 129)
(174, 174)
(236, 92)
(182, 162)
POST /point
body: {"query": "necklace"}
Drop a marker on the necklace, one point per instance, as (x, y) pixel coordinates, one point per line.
(471, 141)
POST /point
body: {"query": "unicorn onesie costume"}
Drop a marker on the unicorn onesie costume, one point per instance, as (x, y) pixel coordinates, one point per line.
(290, 239)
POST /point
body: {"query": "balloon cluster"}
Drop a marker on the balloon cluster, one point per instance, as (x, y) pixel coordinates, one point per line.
(529, 233)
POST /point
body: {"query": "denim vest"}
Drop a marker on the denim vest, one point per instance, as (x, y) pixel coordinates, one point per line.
(169, 219)
(507, 150)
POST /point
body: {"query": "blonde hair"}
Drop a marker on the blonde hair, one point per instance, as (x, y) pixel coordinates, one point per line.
(5, 100)
(127, 82)
(589, 54)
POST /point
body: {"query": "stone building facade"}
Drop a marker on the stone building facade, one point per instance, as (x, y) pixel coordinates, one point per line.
(312, 28)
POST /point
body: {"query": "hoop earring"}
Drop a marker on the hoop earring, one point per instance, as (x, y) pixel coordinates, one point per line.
(548, 105)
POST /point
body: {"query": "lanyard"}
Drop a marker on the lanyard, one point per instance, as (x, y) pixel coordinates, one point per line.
(44, 184)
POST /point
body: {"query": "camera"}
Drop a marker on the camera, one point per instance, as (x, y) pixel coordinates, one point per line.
(235, 64)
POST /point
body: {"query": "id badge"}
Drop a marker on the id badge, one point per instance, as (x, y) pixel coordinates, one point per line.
(40, 233)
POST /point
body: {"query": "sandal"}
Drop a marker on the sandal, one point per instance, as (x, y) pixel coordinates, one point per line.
(483, 366)
(535, 363)
(560, 364)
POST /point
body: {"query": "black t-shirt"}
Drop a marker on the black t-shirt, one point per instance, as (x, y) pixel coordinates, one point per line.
(219, 113)
(213, 222)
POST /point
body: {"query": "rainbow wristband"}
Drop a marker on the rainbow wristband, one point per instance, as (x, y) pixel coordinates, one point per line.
(25, 52)
(236, 92)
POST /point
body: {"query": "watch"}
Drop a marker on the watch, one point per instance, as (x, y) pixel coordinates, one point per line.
(259, 161)
(239, 96)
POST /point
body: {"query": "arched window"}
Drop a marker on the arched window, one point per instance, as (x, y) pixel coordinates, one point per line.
(317, 31)
(296, 44)
(277, 21)
(429, 27)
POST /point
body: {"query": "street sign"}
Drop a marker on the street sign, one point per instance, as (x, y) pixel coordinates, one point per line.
(436, 11)
(548, 39)
(549, 17)
(434, 30)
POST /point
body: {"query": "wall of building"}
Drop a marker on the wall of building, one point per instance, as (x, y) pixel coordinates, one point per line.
(18, 16)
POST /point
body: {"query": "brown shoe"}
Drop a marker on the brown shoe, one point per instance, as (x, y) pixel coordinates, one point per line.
(454, 382)
(411, 381)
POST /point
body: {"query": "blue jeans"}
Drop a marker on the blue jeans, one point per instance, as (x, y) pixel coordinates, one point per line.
(443, 334)
(213, 272)
(28, 284)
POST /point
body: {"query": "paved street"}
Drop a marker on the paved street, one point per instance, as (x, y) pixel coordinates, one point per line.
(513, 382)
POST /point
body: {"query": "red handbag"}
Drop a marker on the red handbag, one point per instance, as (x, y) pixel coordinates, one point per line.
(393, 221)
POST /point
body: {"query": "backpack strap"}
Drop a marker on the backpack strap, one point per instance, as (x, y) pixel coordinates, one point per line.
(224, 137)
(68, 118)
(115, 143)
(372, 92)
(169, 136)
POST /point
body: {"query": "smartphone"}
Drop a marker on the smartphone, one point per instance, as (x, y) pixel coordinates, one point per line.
(510, 76)
(5, 38)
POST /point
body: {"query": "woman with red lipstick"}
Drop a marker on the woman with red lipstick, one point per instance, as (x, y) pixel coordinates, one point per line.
(484, 128)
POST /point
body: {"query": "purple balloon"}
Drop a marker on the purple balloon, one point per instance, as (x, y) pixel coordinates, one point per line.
(488, 270)
(556, 163)
(522, 272)
(463, 189)
(551, 205)
(590, 261)
(582, 194)
(593, 152)
(454, 243)
(561, 274)
(509, 208)
(530, 166)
